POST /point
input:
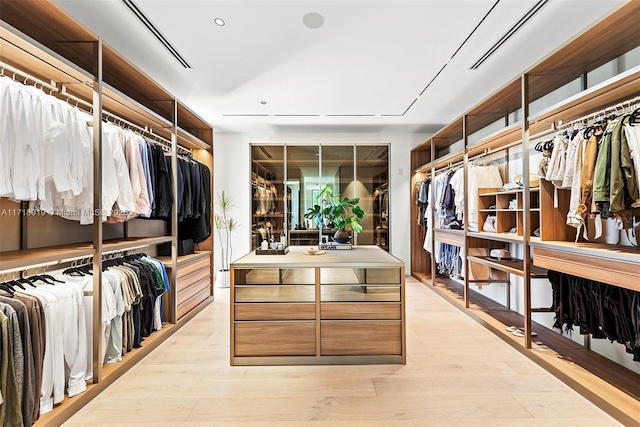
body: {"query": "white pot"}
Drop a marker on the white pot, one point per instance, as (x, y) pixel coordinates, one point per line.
(222, 279)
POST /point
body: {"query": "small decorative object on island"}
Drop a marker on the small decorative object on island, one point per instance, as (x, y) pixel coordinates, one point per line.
(334, 211)
(225, 225)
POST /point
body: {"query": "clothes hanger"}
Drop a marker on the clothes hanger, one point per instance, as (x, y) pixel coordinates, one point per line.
(634, 117)
(16, 283)
(7, 288)
(538, 146)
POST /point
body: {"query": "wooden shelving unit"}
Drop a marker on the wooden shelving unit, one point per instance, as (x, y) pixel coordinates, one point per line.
(38, 38)
(613, 264)
(12, 260)
(512, 266)
(609, 385)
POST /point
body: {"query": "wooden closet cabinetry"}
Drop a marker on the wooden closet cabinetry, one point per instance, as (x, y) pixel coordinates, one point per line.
(508, 209)
(605, 382)
(39, 39)
(193, 280)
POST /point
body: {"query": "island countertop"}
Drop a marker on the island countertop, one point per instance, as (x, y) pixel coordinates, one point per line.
(358, 257)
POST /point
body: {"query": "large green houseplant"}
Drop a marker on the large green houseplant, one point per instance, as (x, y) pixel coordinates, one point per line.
(337, 212)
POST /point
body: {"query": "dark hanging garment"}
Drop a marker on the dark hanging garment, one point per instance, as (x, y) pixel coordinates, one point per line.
(163, 194)
(196, 189)
(199, 229)
(147, 304)
(186, 210)
(599, 309)
(181, 184)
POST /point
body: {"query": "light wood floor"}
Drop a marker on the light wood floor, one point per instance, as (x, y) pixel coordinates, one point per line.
(457, 374)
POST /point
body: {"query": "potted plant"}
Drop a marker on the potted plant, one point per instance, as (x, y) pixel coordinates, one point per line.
(225, 225)
(336, 211)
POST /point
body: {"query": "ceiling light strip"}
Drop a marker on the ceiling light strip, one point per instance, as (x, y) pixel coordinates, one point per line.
(457, 50)
(156, 33)
(350, 115)
(527, 16)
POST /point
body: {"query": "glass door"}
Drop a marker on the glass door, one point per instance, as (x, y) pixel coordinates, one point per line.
(286, 181)
(337, 169)
(372, 187)
(303, 180)
(267, 194)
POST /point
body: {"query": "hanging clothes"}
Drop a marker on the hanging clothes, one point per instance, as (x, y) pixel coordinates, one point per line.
(601, 310)
(46, 147)
(198, 226)
(480, 177)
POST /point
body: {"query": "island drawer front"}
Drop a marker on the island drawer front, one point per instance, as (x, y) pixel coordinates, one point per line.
(275, 338)
(360, 311)
(354, 337)
(275, 311)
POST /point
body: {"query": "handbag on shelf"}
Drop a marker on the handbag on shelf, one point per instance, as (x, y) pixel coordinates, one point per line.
(490, 224)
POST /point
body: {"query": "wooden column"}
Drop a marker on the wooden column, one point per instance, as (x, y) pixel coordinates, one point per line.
(173, 293)
(434, 269)
(97, 210)
(526, 206)
(465, 165)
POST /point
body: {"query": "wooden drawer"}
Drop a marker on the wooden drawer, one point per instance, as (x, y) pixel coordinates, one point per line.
(275, 311)
(188, 268)
(193, 277)
(364, 311)
(353, 337)
(193, 302)
(193, 289)
(275, 339)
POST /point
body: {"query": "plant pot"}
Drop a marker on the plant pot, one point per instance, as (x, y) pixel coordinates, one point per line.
(341, 236)
(222, 279)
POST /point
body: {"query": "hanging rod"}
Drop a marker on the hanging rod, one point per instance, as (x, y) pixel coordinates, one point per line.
(121, 122)
(44, 264)
(133, 248)
(447, 165)
(62, 90)
(27, 77)
(25, 268)
(610, 109)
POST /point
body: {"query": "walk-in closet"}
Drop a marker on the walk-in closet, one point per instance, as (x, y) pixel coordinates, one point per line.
(415, 213)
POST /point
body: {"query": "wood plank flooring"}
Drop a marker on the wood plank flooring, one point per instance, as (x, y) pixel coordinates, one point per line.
(457, 374)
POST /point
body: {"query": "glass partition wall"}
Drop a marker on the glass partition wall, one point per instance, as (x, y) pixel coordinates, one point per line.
(287, 178)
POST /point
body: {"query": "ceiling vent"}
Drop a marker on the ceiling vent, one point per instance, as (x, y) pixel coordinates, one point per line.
(156, 33)
(527, 16)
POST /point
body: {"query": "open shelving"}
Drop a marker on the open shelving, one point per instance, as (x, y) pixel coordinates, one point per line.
(611, 386)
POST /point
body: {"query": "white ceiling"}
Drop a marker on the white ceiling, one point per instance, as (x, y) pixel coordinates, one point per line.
(360, 72)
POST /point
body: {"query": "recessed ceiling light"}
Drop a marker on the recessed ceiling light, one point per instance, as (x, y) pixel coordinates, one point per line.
(219, 22)
(263, 102)
(313, 20)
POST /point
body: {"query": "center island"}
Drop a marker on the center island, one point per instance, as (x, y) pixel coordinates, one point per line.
(340, 307)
